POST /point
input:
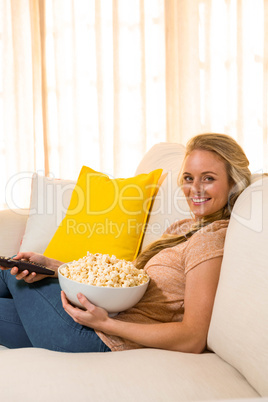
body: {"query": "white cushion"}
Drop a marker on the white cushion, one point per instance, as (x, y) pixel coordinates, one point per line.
(170, 204)
(135, 375)
(12, 227)
(50, 199)
(239, 325)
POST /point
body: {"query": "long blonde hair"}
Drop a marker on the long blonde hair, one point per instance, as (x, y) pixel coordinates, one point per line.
(236, 164)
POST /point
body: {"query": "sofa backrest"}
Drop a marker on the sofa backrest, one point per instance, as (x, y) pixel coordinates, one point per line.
(239, 326)
(170, 204)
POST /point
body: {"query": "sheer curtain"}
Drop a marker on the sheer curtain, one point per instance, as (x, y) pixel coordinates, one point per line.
(83, 82)
(98, 82)
(105, 75)
(217, 72)
(21, 131)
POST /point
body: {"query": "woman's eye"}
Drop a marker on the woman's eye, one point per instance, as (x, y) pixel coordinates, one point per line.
(187, 178)
(209, 178)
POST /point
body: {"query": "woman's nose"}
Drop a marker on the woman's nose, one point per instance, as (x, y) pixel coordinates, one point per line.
(197, 187)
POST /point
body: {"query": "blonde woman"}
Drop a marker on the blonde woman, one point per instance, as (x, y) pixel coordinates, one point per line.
(184, 267)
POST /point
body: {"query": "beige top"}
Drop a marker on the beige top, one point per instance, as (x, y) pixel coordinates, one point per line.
(164, 298)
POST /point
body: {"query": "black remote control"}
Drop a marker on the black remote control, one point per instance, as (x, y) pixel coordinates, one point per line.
(24, 264)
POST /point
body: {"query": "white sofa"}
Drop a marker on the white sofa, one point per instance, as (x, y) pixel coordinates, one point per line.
(236, 363)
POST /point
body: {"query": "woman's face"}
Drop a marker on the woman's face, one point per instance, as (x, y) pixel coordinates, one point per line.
(205, 183)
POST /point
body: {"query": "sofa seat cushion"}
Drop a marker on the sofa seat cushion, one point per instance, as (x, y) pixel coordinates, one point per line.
(143, 375)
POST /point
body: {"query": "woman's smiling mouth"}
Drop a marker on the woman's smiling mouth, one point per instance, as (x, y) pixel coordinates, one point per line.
(198, 201)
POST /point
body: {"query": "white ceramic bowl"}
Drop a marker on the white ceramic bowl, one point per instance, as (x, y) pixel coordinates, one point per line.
(111, 299)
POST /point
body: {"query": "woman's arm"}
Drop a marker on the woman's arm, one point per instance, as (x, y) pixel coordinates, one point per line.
(190, 335)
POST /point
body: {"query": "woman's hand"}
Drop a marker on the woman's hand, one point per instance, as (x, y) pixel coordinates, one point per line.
(93, 317)
(31, 277)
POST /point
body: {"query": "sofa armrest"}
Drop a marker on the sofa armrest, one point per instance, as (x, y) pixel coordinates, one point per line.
(12, 227)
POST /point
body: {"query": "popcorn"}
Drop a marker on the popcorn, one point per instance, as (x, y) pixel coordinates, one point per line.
(104, 270)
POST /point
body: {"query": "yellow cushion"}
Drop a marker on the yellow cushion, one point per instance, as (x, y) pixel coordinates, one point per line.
(106, 216)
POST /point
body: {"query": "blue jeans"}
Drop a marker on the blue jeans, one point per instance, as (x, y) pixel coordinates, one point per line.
(31, 315)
